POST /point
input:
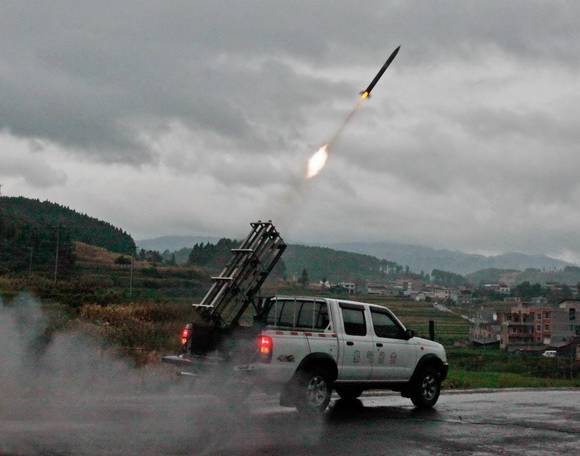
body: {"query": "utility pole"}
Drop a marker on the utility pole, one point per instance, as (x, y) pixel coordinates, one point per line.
(131, 277)
(56, 253)
(30, 261)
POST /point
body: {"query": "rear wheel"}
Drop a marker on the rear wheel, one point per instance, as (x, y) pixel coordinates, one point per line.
(314, 391)
(348, 393)
(426, 389)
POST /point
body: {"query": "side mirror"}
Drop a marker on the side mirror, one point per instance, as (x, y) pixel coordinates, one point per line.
(409, 334)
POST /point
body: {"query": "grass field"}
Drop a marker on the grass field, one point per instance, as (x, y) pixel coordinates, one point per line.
(471, 367)
(449, 327)
(462, 379)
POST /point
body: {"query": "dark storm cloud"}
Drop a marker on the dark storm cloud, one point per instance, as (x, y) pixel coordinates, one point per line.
(96, 78)
(470, 142)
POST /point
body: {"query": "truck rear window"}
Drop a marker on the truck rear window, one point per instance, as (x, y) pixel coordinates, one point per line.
(298, 314)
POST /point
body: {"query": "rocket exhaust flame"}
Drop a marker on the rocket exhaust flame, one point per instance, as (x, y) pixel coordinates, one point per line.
(317, 162)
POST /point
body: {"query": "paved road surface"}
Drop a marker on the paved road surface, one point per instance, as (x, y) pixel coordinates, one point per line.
(531, 422)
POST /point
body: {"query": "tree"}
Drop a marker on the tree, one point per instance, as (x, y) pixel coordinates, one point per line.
(154, 257)
(122, 260)
(304, 281)
(447, 278)
(171, 261)
(526, 290)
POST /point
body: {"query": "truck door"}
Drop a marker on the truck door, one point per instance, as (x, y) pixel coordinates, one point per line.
(395, 354)
(314, 320)
(357, 349)
(290, 345)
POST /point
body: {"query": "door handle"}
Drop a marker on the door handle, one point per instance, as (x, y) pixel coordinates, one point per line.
(350, 342)
(379, 344)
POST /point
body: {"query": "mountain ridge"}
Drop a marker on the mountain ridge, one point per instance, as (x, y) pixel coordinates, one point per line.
(420, 258)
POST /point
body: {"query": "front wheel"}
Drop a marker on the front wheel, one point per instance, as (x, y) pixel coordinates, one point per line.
(426, 389)
(314, 391)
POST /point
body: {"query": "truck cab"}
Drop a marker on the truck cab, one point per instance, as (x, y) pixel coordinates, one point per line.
(347, 346)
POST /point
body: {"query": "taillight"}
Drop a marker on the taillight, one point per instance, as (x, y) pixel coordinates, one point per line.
(265, 348)
(185, 334)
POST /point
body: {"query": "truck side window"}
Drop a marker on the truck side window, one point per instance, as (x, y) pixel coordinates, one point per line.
(306, 315)
(354, 321)
(274, 313)
(385, 326)
(288, 314)
(322, 318)
(313, 315)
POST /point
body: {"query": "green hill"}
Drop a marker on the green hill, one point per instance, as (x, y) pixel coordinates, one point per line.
(335, 265)
(320, 262)
(26, 245)
(45, 215)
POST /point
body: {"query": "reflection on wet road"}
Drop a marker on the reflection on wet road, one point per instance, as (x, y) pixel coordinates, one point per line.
(532, 422)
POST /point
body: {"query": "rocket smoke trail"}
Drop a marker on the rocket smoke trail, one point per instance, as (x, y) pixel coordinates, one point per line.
(318, 160)
(346, 121)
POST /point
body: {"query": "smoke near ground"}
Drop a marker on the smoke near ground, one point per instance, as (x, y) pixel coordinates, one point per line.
(62, 394)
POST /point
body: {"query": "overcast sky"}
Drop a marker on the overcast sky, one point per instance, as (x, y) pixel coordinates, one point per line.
(198, 117)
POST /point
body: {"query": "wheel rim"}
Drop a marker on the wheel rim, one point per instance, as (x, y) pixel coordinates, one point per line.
(316, 391)
(429, 387)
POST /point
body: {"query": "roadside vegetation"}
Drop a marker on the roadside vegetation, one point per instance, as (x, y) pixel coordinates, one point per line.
(143, 330)
(472, 367)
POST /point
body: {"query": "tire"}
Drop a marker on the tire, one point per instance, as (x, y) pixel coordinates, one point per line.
(314, 391)
(349, 393)
(426, 388)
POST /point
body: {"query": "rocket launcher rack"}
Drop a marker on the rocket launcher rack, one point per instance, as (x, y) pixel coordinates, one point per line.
(239, 282)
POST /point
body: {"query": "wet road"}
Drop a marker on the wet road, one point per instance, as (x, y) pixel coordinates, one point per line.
(531, 422)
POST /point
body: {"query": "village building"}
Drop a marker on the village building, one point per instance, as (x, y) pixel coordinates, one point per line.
(527, 326)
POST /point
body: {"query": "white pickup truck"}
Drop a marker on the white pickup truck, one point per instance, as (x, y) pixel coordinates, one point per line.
(306, 347)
